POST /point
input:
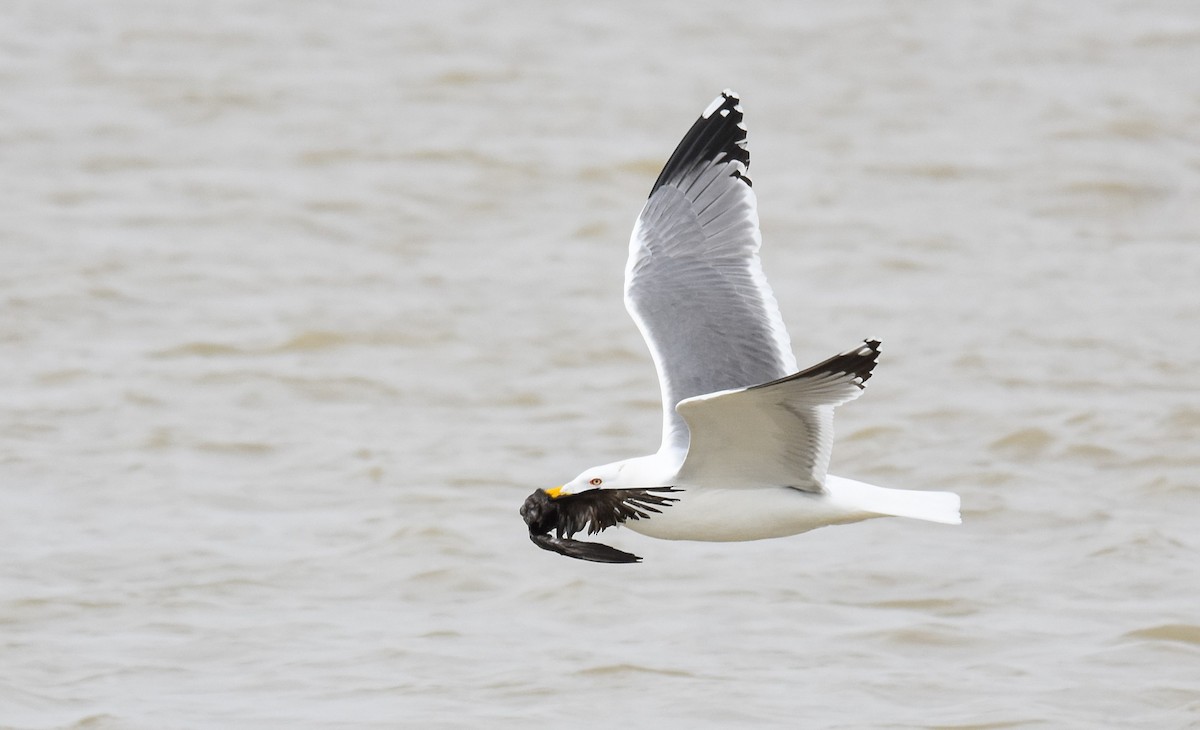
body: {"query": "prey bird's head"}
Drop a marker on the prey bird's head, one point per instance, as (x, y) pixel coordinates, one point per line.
(540, 511)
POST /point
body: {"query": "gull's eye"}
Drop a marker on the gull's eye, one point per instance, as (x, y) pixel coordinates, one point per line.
(596, 481)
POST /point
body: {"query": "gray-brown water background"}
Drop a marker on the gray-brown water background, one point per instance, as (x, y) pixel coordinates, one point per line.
(300, 301)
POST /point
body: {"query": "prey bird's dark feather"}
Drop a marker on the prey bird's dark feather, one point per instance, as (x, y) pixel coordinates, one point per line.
(592, 510)
(583, 550)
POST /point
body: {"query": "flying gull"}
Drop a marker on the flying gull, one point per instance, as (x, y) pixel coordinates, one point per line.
(746, 438)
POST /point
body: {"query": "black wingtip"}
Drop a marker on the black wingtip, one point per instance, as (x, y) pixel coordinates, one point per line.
(858, 362)
(868, 357)
(726, 102)
(719, 131)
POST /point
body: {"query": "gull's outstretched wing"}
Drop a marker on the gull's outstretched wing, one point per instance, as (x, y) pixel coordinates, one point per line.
(694, 283)
(775, 434)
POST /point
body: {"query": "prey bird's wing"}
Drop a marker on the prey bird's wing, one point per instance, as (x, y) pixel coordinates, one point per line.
(593, 510)
(694, 283)
(581, 550)
(600, 509)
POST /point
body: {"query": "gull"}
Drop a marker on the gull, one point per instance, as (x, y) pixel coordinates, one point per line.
(746, 435)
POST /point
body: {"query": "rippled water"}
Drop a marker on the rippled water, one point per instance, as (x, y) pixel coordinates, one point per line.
(300, 302)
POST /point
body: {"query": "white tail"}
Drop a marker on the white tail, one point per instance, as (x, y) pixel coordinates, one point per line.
(940, 507)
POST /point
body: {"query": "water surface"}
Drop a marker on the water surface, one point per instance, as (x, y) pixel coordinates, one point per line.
(299, 303)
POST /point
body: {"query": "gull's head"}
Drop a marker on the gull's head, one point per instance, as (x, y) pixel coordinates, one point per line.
(641, 472)
(608, 476)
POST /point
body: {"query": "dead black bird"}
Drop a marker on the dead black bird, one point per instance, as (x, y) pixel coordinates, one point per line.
(594, 509)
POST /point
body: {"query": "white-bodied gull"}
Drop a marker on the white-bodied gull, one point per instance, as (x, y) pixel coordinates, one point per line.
(746, 438)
